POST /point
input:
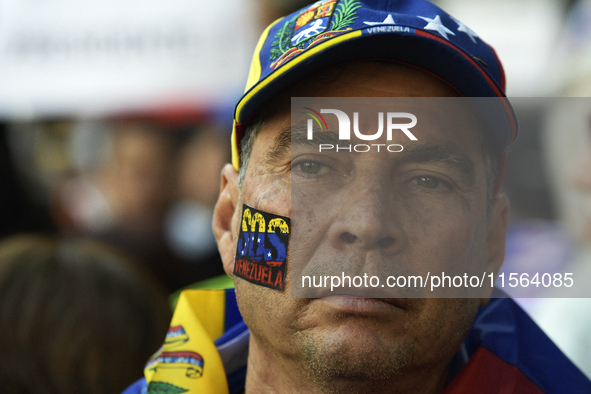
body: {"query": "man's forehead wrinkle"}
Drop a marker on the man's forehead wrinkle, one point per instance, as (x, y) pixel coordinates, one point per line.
(281, 146)
(299, 136)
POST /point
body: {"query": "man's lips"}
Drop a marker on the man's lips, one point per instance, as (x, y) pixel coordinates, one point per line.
(371, 307)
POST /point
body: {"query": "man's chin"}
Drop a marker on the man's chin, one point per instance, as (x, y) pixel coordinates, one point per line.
(356, 350)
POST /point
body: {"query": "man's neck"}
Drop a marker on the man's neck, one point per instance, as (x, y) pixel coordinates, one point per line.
(269, 372)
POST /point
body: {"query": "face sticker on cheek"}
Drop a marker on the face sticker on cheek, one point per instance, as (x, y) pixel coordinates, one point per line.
(261, 254)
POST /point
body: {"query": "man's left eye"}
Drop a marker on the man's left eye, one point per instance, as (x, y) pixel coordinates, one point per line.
(428, 182)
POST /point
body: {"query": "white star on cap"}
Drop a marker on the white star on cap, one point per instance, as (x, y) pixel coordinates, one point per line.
(464, 29)
(388, 21)
(435, 24)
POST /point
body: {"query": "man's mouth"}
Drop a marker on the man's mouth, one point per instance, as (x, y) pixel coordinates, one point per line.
(371, 307)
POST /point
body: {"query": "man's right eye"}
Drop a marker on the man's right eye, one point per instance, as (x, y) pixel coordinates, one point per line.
(310, 167)
(428, 182)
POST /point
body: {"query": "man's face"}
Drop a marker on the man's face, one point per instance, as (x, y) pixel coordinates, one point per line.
(378, 207)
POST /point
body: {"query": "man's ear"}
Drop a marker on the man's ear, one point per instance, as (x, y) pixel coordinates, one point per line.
(223, 216)
(498, 223)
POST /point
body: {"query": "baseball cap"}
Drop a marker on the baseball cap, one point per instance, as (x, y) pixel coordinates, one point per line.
(412, 32)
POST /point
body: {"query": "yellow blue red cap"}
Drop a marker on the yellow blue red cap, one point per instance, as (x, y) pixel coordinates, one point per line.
(332, 32)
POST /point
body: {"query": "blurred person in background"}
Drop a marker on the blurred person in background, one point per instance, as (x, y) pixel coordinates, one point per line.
(135, 196)
(568, 320)
(75, 317)
(122, 199)
(138, 182)
(188, 221)
(567, 148)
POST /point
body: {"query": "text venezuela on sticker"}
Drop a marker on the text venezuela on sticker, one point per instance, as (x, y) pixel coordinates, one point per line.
(261, 254)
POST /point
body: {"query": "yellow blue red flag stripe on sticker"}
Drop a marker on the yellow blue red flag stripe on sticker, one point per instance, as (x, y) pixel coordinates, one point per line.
(261, 254)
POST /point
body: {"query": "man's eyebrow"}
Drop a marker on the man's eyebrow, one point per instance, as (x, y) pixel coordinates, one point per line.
(441, 154)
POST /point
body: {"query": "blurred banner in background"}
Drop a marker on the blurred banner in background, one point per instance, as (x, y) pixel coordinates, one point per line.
(93, 58)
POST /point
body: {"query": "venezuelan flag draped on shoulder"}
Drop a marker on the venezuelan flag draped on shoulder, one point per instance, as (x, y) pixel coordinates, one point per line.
(206, 352)
(505, 352)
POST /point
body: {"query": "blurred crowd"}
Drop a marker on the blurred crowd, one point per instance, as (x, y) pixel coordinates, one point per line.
(102, 219)
(125, 207)
(145, 186)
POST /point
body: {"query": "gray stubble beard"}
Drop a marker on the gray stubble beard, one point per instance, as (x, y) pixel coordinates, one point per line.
(336, 370)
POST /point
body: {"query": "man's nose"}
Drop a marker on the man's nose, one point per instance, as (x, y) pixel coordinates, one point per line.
(367, 218)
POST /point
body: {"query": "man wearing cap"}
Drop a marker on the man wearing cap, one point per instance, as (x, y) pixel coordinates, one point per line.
(435, 199)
